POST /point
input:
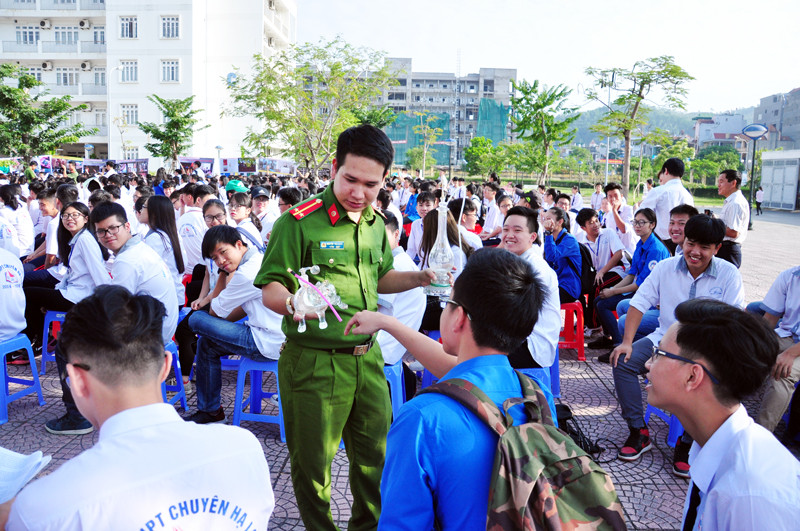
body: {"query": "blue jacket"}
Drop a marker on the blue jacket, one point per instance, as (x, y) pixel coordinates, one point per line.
(559, 253)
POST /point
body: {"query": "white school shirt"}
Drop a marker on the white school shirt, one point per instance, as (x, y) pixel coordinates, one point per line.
(670, 283)
(8, 238)
(12, 297)
(577, 201)
(39, 221)
(597, 200)
(415, 239)
(664, 198)
(86, 269)
(603, 248)
(472, 239)
(140, 269)
(161, 244)
(267, 220)
(628, 238)
(51, 247)
(264, 324)
(543, 341)
(396, 211)
(493, 217)
(783, 300)
(759, 196)
(191, 229)
(747, 479)
(248, 226)
(736, 215)
(21, 220)
(395, 199)
(137, 477)
(406, 306)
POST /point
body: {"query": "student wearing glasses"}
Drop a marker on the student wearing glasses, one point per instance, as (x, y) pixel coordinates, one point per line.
(247, 223)
(696, 274)
(711, 358)
(84, 260)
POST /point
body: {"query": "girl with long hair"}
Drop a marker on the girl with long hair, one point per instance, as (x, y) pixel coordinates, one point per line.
(163, 238)
(17, 216)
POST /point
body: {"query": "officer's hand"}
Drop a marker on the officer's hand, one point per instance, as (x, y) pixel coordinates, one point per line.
(623, 351)
(364, 323)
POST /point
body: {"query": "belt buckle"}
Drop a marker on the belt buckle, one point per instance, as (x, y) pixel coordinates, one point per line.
(360, 350)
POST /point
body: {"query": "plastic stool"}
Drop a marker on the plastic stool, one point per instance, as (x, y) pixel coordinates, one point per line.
(32, 386)
(178, 389)
(555, 377)
(397, 390)
(257, 394)
(572, 336)
(54, 318)
(675, 427)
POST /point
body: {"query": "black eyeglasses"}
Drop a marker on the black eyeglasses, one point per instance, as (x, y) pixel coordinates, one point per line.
(658, 352)
(641, 223)
(218, 217)
(112, 230)
(454, 303)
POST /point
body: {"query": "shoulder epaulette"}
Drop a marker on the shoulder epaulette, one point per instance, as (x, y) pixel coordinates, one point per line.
(301, 211)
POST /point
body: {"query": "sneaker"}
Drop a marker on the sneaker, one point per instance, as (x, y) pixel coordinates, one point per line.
(274, 399)
(589, 332)
(605, 358)
(637, 443)
(19, 357)
(187, 387)
(68, 425)
(680, 460)
(601, 342)
(204, 417)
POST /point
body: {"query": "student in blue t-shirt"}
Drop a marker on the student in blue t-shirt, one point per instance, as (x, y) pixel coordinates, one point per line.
(562, 253)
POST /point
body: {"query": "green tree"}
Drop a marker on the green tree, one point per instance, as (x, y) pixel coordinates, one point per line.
(380, 117)
(306, 95)
(419, 159)
(626, 112)
(32, 124)
(711, 160)
(477, 155)
(429, 132)
(678, 149)
(172, 138)
(541, 116)
(525, 157)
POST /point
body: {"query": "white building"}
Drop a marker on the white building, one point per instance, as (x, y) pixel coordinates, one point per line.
(113, 56)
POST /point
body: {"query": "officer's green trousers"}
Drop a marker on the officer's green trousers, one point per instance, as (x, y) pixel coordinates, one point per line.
(327, 398)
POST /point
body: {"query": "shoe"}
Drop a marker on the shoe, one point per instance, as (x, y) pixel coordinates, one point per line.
(275, 399)
(601, 342)
(19, 357)
(68, 425)
(605, 358)
(637, 443)
(204, 417)
(187, 387)
(589, 332)
(680, 460)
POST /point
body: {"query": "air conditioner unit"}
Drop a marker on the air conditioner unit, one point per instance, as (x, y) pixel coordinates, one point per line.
(84, 24)
(271, 42)
(47, 65)
(271, 4)
(44, 23)
(86, 65)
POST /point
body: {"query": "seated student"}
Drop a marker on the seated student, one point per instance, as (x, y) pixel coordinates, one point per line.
(148, 467)
(17, 215)
(619, 216)
(561, 252)
(407, 306)
(782, 312)
(46, 254)
(563, 202)
(696, 274)
(12, 303)
(465, 210)
(577, 199)
(438, 456)
(163, 239)
(709, 360)
(410, 211)
(493, 220)
(247, 223)
(219, 334)
(191, 226)
(520, 233)
(649, 251)
(426, 202)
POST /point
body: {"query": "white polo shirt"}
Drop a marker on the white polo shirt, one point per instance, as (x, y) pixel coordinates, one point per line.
(628, 238)
(191, 229)
(12, 297)
(597, 200)
(264, 324)
(664, 198)
(415, 240)
(86, 270)
(603, 248)
(543, 341)
(407, 306)
(137, 477)
(493, 217)
(736, 215)
(670, 284)
(51, 247)
(140, 269)
(161, 244)
(783, 300)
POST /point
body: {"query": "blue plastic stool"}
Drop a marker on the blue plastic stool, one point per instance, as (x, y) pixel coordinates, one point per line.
(555, 377)
(178, 389)
(183, 312)
(32, 386)
(257, 394)
(397, 389)
(675, 427)
(47, 355)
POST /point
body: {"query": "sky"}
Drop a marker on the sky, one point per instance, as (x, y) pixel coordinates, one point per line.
(738, 51)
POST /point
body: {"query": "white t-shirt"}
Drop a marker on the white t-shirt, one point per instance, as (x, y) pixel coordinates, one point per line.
(8, 238)
(664, 198)
(603, 248)
(86, 269)
(12, 297)
(161, 244)
(472, 239)
(628, 238)
(51, 247)
(736, 215)
(493, 217)
(191, 229)
(21, 220)
(407, 306)
(543, 341)
(137, 477)
(140, 269)
(597, 200)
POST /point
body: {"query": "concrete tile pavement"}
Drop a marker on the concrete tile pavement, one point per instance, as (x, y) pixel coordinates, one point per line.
(652, 497)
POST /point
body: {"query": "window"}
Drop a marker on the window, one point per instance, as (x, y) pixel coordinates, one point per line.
(129, 71)
(27, 35)
(488, 86)
(130, 152)
(36, 72)
(100, 117)
(170, 71)
(128, 28)
(66, 34)
(417, 85)
(430, 85)
(416, 98)
(170, 28)
(130, 113)
(99, 34)
(401, 82)
(100, 77)
(444, 85)
(66, 77)
(397, 96)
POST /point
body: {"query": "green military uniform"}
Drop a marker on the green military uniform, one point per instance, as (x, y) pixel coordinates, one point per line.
(73, 175)
(329, 393)
(30, 175)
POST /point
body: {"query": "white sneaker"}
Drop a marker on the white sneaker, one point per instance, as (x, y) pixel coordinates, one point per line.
(187, 387)
(589, 332)
(274, 399)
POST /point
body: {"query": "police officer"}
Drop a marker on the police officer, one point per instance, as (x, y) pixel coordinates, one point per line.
(333, 386)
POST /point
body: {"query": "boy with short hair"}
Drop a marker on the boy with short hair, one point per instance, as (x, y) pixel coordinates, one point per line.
(426, 202)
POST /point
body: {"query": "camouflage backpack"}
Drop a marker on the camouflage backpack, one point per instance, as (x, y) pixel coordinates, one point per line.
(541, 479)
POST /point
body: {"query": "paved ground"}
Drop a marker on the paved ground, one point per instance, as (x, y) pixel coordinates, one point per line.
(651, 495)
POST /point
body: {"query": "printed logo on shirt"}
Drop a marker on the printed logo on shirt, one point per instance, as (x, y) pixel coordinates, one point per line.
(187, 508)
(5, 234)
(652, 264)
(188, 231)
(13, 278)
(715, 292)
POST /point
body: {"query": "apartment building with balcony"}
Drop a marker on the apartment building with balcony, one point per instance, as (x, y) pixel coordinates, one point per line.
(112, 55)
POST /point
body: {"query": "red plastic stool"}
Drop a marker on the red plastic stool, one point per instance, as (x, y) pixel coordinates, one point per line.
(572, 335)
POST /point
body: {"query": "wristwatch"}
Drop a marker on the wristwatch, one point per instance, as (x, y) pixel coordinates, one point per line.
(289, 306)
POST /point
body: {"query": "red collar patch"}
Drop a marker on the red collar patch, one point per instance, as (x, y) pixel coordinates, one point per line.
(333, 214)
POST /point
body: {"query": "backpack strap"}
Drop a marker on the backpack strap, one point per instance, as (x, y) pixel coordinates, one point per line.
(471, 397)
(259, 245)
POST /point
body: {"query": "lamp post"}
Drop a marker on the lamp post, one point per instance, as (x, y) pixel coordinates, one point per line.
(753, 132)
(219, 159)
(608, 138)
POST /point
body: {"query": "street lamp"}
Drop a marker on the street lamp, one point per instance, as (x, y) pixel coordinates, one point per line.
(753, 132)
(219, 159)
